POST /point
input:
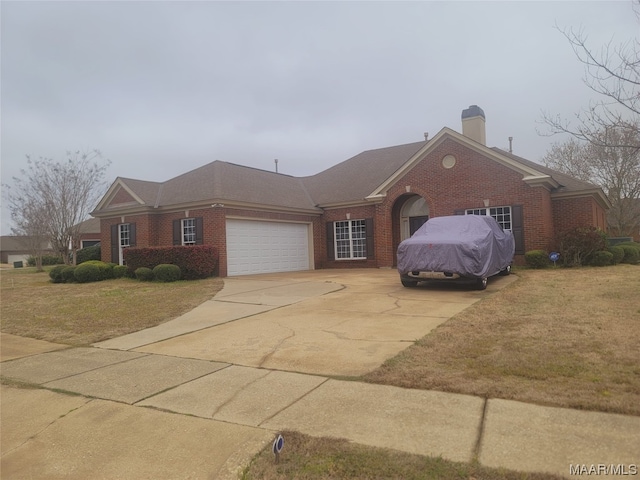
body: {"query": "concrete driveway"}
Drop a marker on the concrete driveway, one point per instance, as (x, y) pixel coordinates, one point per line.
(186, 399)
(350, 322)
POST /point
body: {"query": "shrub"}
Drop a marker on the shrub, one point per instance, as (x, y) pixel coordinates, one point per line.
(618, 254)
(166, 272)
(631, 254)
(88, 253)
(119, 271)
(68, 274)
(56, 274)
(46, 260)
(601, 258)
(537, 258)
(144, 274)
(105, 269)
(197, 261)
(87, 272)
(578, 244)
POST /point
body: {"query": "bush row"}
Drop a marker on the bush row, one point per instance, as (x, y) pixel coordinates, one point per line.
(198, 261)
(629, 253)
(96, 271)
(91, 271)
(46, 260)
(161, 273)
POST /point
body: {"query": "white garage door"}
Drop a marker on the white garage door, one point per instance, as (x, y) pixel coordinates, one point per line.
(264, 247)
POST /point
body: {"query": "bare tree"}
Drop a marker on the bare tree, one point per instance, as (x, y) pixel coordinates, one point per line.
(608, 163)
(65, 191)
(612, 72)
(30, 224)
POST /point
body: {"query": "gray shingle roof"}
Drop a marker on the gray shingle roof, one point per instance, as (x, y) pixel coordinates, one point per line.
(567, 182)
(356, 178)
(349, 181)
(227, 181)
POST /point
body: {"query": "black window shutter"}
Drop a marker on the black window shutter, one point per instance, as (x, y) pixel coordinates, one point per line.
(132, 234)
(517, 228)
(331, 254)
(115, 244)
(199, 231)
(459, 212)
(368, 225)
(177, 232)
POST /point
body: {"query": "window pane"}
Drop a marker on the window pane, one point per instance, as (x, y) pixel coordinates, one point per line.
(343, 247)
(124, 235)
(359, 239)
(502, 215)
(189, 231)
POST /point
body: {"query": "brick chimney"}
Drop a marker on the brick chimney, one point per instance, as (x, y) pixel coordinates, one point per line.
(473, 124)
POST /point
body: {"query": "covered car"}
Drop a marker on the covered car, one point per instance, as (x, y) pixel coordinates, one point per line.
(459, 247)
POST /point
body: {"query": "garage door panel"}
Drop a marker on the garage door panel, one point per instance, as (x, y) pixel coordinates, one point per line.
(264, 247)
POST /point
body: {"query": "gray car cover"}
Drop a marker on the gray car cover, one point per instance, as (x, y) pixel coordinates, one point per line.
(469, 245)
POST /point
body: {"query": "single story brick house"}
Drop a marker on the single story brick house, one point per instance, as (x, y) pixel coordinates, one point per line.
(355, 213)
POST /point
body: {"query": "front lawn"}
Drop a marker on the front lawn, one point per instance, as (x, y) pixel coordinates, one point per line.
(560, 337)
(81, 314)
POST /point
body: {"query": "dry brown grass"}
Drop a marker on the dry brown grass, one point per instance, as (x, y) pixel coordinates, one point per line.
(306, 458)
(81, 314)
(561, 337)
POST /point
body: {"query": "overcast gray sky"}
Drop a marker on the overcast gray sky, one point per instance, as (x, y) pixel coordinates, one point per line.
(161, 88)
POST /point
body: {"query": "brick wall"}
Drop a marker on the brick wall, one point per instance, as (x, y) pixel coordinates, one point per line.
(575, 212)
(472, 180)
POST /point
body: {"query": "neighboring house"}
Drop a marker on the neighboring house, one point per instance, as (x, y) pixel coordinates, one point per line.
(353, 214)
(89, 233)
(16, 249)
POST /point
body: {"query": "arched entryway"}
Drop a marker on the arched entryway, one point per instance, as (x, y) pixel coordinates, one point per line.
(409, 213)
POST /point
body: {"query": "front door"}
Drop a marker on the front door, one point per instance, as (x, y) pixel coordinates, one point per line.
(416, 222)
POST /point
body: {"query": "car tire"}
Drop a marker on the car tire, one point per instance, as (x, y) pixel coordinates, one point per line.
(481, 283)
(506, 271)
(408, 283)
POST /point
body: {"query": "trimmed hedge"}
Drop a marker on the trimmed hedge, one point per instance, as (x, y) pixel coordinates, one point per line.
(601, 259)
(68, 274)
(46, 260)
(144, 274)
(105, 269)
(88, 253)
(536, 259)
(197, 261)
(87, 272)
(56, 274)
(119, 271)
(618, 254)
(166, 272)
(631, 254)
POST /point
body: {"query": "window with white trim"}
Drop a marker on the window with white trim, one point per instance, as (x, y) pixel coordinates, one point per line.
(189, 231)
(350, 239)
(502, 215)
(125, 235)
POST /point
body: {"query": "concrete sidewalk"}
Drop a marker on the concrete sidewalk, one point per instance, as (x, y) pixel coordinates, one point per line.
(140, 414)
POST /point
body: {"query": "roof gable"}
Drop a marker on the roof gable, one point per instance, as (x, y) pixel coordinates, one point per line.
(127, 192)
(532, 176)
